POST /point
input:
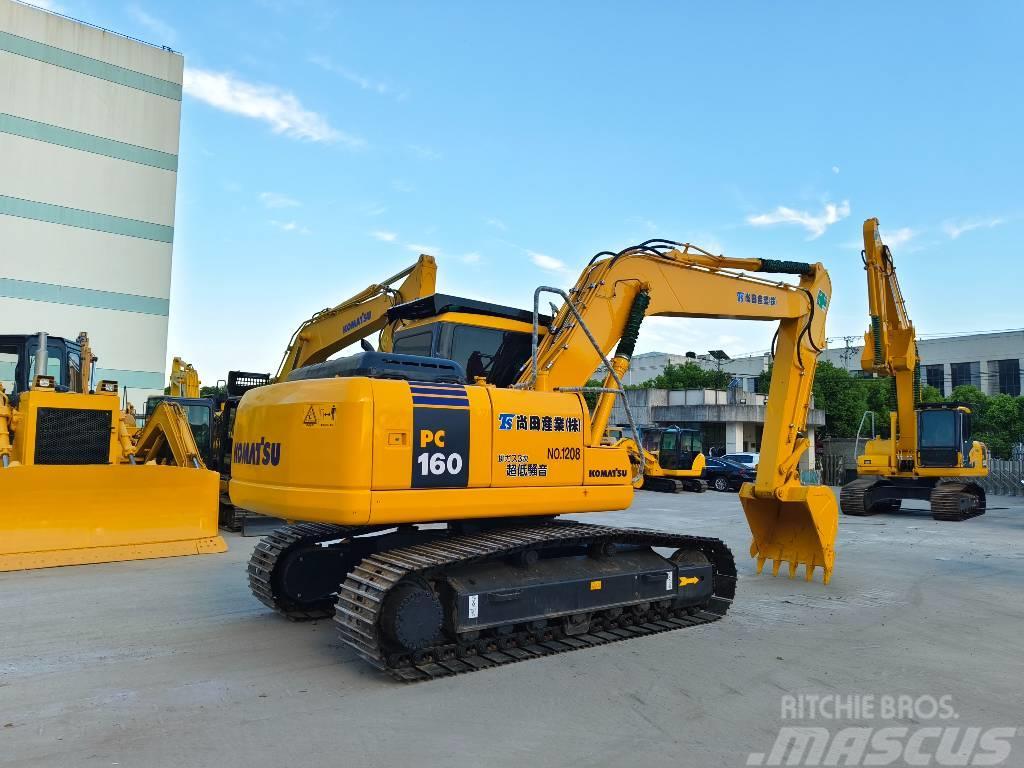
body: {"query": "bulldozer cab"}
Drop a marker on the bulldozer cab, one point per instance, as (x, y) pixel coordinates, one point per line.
(675, 447)
(943, 434)
(487, 340)
(18, 364)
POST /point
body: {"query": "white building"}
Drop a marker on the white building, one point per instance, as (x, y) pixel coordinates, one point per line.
(89, 124)
(990, 361)
(993, 362)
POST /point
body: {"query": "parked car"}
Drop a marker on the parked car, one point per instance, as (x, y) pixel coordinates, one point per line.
(746, 459)
(724, 475)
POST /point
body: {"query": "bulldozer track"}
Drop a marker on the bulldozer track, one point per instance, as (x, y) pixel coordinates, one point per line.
(955, 502)
(362, 596)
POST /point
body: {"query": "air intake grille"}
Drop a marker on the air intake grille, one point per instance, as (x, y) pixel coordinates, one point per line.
(72, 436)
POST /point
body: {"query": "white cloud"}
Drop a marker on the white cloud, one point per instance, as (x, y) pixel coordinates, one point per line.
(549, 263)
(384, 236)
(835, 169)
(275, 200)
(159, 28)
(420, 248)
(424, 153)
(372, 209)
(956, 228)
(401, 185)
(899, 237)
(496, 223)
(290, 226)
(814, 224)
(270, 104)
(361, 81)
(471, 258)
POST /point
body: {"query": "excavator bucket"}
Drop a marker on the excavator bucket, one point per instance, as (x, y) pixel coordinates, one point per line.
(799, 528)
(72, 515)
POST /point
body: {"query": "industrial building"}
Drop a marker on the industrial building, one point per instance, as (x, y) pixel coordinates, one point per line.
(89, 126)
(992, 362)
(730, 421)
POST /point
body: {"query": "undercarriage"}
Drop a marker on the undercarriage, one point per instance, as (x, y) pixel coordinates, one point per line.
(950, 500)
(427, 602)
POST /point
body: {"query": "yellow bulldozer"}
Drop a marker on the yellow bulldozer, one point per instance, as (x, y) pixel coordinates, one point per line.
(426, 482)
(77, 486)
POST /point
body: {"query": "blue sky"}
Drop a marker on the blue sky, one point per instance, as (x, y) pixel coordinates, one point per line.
(325, 143)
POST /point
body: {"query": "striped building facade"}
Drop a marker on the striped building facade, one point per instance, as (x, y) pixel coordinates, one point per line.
(89, 125)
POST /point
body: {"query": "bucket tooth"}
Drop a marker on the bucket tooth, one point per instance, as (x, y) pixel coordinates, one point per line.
(797, 525)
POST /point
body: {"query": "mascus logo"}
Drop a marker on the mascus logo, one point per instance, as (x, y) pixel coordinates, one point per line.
(609, 473)
(262, 452)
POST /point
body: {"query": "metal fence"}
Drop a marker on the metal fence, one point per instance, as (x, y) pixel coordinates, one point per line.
(1005, 477)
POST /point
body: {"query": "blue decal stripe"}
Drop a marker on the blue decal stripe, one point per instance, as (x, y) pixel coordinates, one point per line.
(449, 401)
(439, 392)
(436, 385)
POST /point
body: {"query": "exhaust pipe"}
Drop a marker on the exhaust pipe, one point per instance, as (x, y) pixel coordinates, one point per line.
(42, 355)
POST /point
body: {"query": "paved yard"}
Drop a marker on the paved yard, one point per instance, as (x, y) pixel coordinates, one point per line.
(173, 663)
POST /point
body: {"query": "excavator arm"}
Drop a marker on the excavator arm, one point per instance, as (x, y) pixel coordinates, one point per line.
(331, 330)
(184, 379)
(166, 439)
(790, 522)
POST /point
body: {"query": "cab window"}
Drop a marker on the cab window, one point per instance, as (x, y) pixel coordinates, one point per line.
(413, 343)
(53, 366)
(75, 372)
(8, 363)
(496, 355)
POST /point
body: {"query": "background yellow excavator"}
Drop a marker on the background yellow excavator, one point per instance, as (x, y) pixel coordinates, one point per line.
(371, 451)
(184, 379)
(75, 487)
(929, 454)
(673, 459)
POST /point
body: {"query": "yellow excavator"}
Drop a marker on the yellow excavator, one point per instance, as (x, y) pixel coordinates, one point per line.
(184, 379)
(673, 459)
(75, 487)
(929, 455)
(426, 501)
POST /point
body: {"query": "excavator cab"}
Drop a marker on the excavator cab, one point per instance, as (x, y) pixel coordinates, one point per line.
(944, 435)
(201, 412)
(676, 448)
(487, 340)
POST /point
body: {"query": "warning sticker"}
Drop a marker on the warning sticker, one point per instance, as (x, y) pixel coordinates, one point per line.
(320, 415)
(474, 606)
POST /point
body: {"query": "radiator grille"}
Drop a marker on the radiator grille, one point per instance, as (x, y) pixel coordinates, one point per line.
(72, 436)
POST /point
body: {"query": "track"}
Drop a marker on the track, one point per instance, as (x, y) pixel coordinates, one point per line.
(674, 485)
(852, 497)
(954, 502)
(362, 597)
(359, 600)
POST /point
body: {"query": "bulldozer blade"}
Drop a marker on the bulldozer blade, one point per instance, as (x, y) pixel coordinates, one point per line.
(73, 515)
(798, 529)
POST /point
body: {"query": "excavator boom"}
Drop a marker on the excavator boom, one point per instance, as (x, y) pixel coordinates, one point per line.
(331, 330)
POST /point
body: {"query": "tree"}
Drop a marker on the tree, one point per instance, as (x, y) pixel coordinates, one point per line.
(842, 397)
(591, 397)
(930, 394)
(688, 376)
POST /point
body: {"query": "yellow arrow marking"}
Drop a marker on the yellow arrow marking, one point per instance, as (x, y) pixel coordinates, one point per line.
(686, 580)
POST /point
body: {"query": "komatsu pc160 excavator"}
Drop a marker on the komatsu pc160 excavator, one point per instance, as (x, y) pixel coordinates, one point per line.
(367, 450)
(929, 454)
